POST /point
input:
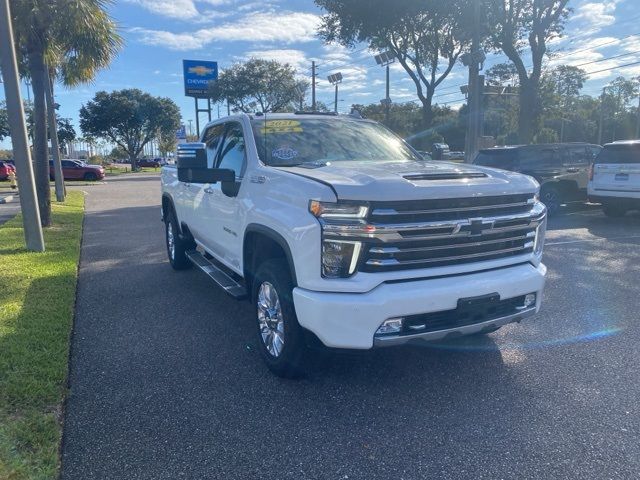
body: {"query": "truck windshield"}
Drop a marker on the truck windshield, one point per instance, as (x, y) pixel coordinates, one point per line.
(313, 141)
(619, 154)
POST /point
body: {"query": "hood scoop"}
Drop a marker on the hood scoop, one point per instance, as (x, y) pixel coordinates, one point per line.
(444, 176)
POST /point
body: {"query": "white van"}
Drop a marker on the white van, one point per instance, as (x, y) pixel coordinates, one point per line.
(615, 178)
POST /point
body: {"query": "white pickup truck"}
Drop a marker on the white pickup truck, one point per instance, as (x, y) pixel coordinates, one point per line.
(340, 233)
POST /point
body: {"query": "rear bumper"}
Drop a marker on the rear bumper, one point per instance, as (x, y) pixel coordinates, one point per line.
(598, 195)
(350, 320)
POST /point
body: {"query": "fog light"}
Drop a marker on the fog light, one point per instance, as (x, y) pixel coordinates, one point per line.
(529, 300)
(392, 325)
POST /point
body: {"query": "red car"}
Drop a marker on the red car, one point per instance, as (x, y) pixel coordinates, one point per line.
(5, 170)
(78, 170)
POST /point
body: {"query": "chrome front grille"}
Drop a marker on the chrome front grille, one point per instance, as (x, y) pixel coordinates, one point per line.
(436, 233)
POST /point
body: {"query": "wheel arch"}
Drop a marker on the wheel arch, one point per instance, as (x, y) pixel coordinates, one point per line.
(261, 243)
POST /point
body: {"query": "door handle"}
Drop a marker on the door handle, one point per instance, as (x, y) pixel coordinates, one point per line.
(573, 170)
(208, 190)
(187, 184)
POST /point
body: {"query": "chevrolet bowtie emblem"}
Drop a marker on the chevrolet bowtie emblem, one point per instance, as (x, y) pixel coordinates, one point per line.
(477, 226)
(201, 71)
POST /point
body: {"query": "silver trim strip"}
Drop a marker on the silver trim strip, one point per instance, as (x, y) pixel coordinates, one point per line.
(457, 331)
(392, 211)
(387, 262)
(393, 250)
(532, 217)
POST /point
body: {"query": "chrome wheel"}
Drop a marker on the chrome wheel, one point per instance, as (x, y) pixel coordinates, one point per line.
(171, 241)
(270, 319)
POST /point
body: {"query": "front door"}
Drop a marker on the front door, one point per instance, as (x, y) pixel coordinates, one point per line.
(201, 219)
(224, 229)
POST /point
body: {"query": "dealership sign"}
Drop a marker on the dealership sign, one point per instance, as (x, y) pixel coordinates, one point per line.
(197, 76)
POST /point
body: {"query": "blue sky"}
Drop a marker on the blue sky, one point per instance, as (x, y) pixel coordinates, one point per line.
(160, 33)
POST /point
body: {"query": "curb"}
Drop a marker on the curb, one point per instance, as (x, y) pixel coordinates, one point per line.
(7, 199)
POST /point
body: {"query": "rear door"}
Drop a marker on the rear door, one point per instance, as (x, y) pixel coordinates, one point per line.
(576, 161)
(617, 168)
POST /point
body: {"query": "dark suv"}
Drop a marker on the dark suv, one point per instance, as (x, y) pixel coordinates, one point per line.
(562, 169)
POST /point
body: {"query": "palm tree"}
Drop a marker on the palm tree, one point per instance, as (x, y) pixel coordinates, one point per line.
(67, 39)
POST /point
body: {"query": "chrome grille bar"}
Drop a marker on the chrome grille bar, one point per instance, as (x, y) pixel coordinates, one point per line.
(395, 262)
(387, 212)
(397, 250)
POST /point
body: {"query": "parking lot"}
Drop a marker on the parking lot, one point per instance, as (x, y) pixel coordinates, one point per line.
(166, 381)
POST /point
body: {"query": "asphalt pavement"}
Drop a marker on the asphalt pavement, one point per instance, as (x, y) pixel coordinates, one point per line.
(166, 381)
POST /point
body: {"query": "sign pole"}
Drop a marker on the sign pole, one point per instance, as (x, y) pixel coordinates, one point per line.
(197, 118)
(22, 156)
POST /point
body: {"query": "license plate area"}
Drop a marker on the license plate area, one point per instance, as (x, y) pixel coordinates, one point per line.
(470, 304)
(622, 177)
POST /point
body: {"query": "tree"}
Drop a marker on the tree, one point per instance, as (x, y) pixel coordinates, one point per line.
(167, 143)
(426, 36)
(523, 28)
(66, 132)
(129, 118)
(258, 85)
(4, 122)
(80, 38)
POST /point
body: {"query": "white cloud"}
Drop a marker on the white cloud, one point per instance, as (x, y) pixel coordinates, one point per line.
(296, 58)
(180, 9)
(595, 15)
(286, 27)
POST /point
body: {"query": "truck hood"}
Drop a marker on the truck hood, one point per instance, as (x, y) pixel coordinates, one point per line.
(414, 180)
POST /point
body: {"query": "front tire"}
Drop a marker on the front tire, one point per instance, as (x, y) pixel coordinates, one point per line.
(90, 177)
(176, 246)
(550, 196)
(280, 336)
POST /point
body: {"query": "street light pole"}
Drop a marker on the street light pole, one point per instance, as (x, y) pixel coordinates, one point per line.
(384, 60)
(21, 154)
(313, 86)
(335, 79)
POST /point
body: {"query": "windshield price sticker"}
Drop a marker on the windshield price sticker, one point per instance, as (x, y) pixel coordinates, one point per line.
(282, 126)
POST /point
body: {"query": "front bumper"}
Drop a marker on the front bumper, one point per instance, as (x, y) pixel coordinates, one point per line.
(350, 320)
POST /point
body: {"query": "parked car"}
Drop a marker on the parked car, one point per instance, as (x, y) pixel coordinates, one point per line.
(5, 169)
(562, 169)
(456, 157)
(146, 162)
(78, 170)
(615, 178)
(425, 155)
(342, 235)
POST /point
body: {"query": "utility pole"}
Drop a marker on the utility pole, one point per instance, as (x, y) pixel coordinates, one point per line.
(21, 154)
(638, 117)
(473, 60)
(191, 123)
(313, 85)
(53, 135)
(601, 116)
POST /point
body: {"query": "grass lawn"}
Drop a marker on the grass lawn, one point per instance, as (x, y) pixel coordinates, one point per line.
(37, 295)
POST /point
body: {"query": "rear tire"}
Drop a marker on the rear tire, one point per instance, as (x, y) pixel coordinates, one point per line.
(176, 246)
(550, 196)
(280, 336)
(614, 211)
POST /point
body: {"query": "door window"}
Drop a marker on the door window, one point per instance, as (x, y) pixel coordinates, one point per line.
(232, 154)
(575, 156)
(212, 139)
(68, 164)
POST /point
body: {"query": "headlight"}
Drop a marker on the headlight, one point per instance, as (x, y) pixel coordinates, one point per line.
(541, 231)
(339, 258)
(337, 210)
